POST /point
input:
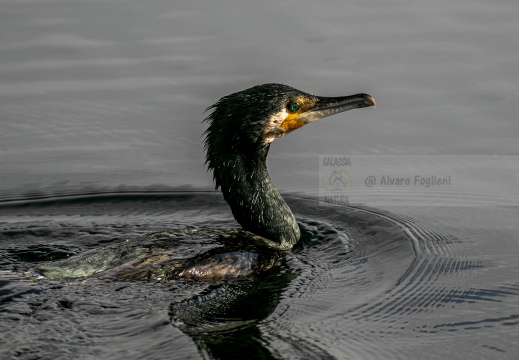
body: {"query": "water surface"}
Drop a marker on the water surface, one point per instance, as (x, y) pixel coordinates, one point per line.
(102, 102)
(365, 284)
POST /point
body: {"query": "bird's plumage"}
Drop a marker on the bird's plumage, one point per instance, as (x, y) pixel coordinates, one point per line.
(241, 127)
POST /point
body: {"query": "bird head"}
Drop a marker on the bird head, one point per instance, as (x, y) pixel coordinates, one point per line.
(255, 117)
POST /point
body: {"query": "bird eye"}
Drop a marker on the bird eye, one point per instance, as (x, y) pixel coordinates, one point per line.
(294, 106)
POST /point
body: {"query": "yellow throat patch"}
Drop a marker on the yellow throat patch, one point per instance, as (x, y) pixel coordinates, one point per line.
(292, 121)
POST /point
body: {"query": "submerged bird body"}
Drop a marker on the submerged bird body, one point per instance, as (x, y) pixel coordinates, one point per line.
(241, 128)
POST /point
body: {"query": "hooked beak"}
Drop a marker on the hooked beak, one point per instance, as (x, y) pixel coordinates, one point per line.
(327, 106)
(314, 109)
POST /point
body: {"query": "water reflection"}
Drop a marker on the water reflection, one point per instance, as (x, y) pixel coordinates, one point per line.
(224, 320)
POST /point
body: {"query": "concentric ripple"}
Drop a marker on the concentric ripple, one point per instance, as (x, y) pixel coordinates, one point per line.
(363, 283)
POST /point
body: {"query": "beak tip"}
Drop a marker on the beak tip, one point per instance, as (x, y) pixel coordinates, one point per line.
(373, 103)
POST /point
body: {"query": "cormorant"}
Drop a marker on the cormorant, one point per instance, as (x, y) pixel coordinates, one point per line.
(241, 128)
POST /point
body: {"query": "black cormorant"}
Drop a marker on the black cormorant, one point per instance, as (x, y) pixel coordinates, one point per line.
(241, 128)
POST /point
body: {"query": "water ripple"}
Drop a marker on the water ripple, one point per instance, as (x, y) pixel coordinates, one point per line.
(364, 283)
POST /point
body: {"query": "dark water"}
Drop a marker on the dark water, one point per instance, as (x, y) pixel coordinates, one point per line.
(367, 283)
(102, 102)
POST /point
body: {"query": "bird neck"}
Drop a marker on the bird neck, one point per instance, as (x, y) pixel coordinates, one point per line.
(255, 203)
